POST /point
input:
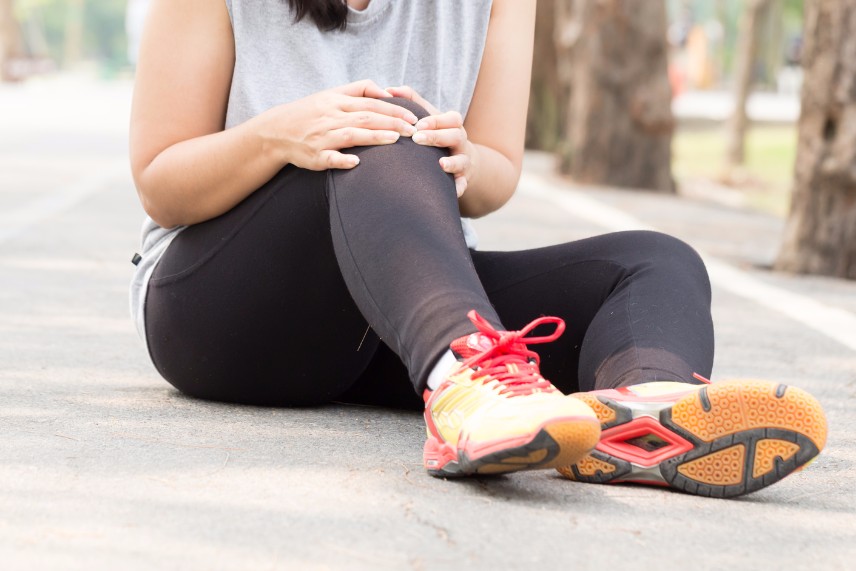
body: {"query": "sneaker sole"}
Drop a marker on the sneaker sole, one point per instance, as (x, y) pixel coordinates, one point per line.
(723, 440)
(556, 443)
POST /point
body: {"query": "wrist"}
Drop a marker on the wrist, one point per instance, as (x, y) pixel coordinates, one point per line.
(266, 137)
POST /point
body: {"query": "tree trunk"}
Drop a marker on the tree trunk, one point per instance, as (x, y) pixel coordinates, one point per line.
(747, 50)
(820, 236)
(543, 123)
(620, 120)
(10, 39)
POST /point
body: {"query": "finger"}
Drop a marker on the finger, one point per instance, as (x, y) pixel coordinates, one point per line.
(408, 92)
(460, 185)
(447, 120)
(355, 137)
(376, 121)
(355, 104)
(330, 159)
(363, 88)
(456, 164)
(449, 138)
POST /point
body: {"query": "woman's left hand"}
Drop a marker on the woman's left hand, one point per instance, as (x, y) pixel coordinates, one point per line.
(443, 130)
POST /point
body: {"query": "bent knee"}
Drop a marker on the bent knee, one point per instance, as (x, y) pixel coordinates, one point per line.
(411, 106)
(667, 253)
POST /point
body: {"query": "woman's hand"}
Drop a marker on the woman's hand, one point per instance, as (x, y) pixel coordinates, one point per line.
(310, 132)
(443, 130)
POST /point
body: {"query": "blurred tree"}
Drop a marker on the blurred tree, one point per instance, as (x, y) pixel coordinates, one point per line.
(75, 30)
(547, 100)
(10, 39)
(747, 50)
(620, 119)
(820, 236)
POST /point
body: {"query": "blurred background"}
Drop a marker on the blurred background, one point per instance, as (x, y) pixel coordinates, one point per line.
(713, 100)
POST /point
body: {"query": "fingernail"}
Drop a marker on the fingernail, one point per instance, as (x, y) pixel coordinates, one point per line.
(390, 137)
(422, 124)
(460, 186)
(411, 118)
(409, 130)
(420, 138)
(355, 160)
(444, 163)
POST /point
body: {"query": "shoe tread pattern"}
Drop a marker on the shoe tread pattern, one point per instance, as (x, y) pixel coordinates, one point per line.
(599, 467)
(752, 434)
(746, 435)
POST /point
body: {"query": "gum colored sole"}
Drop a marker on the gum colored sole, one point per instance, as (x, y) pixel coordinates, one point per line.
(557, 444)
(732, 438)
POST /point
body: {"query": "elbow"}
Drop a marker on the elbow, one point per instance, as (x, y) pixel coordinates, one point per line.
(154, 207)
(150, 191)
(158, 214)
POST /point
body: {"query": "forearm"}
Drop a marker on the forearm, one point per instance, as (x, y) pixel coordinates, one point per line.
(204, 177)
(491, 184)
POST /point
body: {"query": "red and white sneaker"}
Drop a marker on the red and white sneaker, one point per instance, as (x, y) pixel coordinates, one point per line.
(720, 440)
(494, 413)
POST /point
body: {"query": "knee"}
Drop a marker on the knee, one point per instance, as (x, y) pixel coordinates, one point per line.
(670, 256)
(388, 165)
(411, 106)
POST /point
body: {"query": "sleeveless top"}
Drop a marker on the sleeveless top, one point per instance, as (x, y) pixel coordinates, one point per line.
(434, 46)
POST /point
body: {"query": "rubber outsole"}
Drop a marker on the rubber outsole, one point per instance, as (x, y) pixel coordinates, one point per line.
(554, 445)
(732, 438)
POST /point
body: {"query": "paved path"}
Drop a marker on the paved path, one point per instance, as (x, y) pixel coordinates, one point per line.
(103, 466)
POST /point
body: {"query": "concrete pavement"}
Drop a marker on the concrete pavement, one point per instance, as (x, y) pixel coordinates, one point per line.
(103, 465)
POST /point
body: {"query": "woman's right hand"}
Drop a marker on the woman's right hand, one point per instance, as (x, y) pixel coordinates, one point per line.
(310, 132)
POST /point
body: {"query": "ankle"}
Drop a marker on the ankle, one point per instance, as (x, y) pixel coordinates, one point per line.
(441, 369)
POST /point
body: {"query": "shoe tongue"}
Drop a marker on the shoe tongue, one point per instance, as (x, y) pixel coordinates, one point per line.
(469, 345)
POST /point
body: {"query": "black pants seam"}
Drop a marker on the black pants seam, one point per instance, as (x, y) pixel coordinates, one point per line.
(187, 272)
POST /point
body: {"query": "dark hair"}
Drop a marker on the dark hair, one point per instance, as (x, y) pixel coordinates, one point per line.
(328, 15)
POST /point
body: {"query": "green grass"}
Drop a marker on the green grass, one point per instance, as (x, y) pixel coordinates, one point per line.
(767, 176)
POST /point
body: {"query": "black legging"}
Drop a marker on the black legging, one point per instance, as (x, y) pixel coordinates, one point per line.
(320, 284)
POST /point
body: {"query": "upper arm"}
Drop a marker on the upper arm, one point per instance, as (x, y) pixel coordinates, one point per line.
(183, 77)
(497, 113)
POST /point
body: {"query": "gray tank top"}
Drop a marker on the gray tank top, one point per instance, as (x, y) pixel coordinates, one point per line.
(435, 46)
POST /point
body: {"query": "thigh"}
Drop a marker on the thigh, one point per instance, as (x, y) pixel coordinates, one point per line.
(251, 306)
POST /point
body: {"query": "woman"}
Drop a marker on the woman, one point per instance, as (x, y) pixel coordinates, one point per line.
(304, 244)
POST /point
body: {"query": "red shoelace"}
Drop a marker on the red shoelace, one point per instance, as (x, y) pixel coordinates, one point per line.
(509, 361)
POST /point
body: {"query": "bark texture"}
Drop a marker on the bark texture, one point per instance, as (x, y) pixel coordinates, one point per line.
(620, 120)
(546, 95)
(747, 52)
(820, 236)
